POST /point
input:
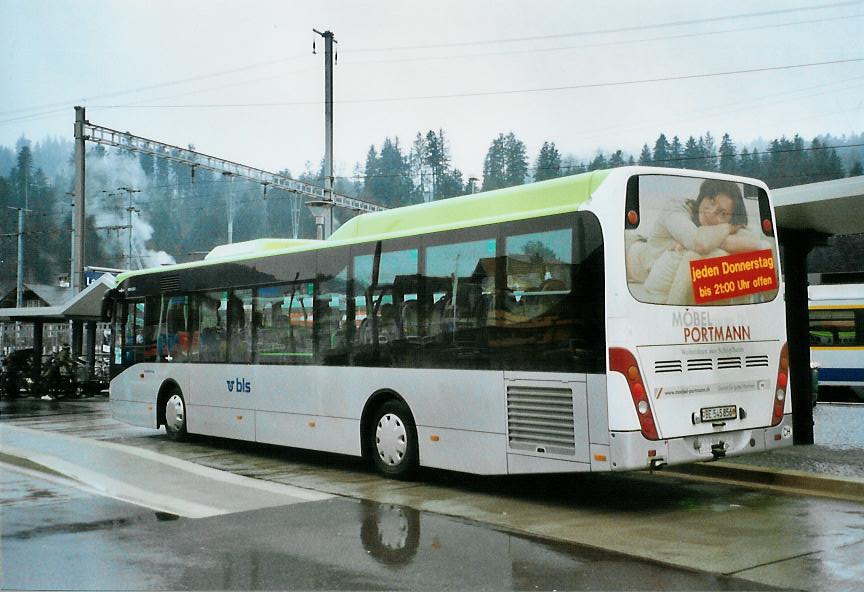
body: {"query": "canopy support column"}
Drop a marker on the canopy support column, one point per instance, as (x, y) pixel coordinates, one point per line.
(37, 351)
(796, 245)
(91, 349)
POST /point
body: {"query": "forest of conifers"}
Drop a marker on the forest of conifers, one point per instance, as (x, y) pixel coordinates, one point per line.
(177, 216)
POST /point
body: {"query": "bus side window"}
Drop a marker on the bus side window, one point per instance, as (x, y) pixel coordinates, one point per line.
(151, 329)
(332, 314)
(239, 305)
(460, 277)
(283, 321)
(385, 284)
(174, 342)
(211, 327)
(133, 333)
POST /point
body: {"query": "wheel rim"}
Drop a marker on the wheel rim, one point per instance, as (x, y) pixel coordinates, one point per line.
(175, 414)
(391, 439)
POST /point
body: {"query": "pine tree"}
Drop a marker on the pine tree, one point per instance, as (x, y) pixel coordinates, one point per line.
(451, 184)
(370, 173)
(617, 159)
(709, 151)
(420, 173)
(728, 163)
(692, 155)
(494, 170)
(515, 161)
(394, 183)
(856, 170)
(438, 160)
(599, 162)
(676, 153)
(835, 166)
(661, 151)
(645, 156)
(548, 162)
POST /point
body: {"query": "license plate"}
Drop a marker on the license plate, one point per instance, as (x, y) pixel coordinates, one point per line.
(715, 413)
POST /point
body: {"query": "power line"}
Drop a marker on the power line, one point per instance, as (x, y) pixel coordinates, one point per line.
(615, 43)
(158, 85)
(499, 92)
(606, 31)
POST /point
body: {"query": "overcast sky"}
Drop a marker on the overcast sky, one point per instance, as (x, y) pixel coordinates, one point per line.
(239, 80)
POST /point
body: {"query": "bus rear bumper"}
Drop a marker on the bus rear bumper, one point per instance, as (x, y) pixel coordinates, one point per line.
(631, 451)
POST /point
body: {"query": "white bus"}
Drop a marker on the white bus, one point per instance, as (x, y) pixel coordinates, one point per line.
(615, 320)
(837, 336)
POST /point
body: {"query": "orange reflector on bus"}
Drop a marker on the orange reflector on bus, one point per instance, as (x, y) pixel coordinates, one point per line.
(600, 457)
(777, 436)
(652, 453)
(434, 438)
(239, 418)
(311, 424)
(633, 217)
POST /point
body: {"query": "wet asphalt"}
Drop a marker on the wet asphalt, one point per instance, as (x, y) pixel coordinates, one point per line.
(58, 537)
(469, 531)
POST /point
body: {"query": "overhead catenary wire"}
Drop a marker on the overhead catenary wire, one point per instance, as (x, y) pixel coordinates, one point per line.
(613, 43)
(642, 27)
(589, 85)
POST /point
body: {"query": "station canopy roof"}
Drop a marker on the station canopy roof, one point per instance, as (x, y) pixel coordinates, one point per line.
(85, 306)
(830, 207)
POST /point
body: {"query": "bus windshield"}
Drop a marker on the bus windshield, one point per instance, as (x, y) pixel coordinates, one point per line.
(700, 242)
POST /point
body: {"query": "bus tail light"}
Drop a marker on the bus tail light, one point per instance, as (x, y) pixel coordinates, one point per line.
(782, 385)
(622, 361)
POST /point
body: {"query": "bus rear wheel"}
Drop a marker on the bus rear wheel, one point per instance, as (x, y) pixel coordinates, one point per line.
(175, 415)
(393, 441)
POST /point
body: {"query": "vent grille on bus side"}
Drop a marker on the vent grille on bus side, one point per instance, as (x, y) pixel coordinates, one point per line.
(700, 364)
(726, 363)
(663, 366)
(168, 283)
(540, 419)
(756, 361)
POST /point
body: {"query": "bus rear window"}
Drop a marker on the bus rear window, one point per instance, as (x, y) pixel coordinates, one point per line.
(691, 241)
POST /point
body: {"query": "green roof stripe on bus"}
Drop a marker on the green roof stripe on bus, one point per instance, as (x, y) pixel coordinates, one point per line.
(564, 194)
(535, 199)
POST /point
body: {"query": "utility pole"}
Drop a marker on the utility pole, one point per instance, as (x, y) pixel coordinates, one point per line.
(72, 238)
(78, 216)
(130, 209)
(19, 282)
(326, 205)
(230, 206)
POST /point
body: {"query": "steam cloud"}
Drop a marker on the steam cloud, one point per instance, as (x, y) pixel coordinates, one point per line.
(104, 177)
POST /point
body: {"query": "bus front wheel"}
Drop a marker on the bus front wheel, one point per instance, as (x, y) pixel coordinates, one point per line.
(175, 414)
(393, 441)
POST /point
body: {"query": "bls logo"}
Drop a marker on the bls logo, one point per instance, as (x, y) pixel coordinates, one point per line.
(241, 385)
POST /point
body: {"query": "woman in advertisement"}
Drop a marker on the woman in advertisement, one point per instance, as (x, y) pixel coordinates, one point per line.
(712, 225)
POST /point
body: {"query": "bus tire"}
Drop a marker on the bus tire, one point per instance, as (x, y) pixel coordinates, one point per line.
(393, 441)
(175, 414)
